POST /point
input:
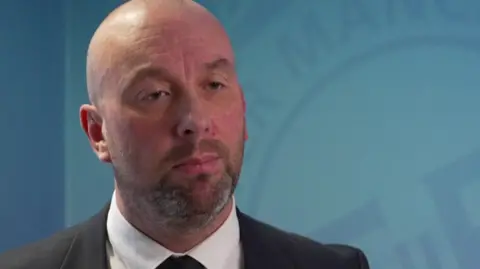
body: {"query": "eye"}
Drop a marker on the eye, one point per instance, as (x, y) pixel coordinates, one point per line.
(155, 95)
(215, 85)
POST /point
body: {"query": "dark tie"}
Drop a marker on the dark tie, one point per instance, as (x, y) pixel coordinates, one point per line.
(182, 262)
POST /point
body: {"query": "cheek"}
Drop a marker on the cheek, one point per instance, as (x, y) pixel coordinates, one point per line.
(228, 125)
(142, 135)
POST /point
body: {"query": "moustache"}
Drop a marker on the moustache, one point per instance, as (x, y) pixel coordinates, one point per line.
(184, 151)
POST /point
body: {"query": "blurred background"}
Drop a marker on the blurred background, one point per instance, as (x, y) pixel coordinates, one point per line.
(363, 118)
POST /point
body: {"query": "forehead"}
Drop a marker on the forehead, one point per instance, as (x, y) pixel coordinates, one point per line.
(177, 42)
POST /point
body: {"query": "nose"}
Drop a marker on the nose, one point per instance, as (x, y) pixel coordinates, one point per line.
(194, 123)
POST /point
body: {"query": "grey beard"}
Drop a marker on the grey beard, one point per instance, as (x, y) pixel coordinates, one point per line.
(172, 208)
(175, 210)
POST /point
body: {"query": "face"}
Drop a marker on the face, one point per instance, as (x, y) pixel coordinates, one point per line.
(172, 122)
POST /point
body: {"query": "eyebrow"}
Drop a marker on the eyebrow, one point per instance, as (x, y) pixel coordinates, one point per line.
(143, 72)
(220, 63)
(157, 71)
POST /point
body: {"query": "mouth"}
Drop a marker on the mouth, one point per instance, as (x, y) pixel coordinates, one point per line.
(204, 164)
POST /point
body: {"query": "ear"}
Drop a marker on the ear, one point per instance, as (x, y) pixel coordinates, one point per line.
(92, 125)
(244, 104)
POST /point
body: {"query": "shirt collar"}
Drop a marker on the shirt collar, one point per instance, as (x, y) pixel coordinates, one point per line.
(136, 250)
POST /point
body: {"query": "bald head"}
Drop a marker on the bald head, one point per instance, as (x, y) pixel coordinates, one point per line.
(164, 24)
(164, 89)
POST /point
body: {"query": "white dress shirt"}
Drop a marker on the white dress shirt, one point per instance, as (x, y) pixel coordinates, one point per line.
(129, 248)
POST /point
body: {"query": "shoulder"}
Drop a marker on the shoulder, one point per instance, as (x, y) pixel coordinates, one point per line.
(307, 253)
(46, 253)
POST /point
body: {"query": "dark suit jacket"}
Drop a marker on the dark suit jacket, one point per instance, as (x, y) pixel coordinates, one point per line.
(264, 247)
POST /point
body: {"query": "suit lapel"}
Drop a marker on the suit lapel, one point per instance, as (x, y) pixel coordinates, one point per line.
(261, 249)
(88, 249)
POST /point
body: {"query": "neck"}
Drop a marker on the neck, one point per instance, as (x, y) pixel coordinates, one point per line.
(175, 241)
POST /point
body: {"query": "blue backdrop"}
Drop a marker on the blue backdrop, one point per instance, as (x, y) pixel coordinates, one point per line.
(32, 78)
(363, 121)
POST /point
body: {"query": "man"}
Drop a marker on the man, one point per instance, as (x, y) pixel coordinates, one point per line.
(167, 112)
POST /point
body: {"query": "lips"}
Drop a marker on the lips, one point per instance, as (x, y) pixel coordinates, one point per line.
(205, 164)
